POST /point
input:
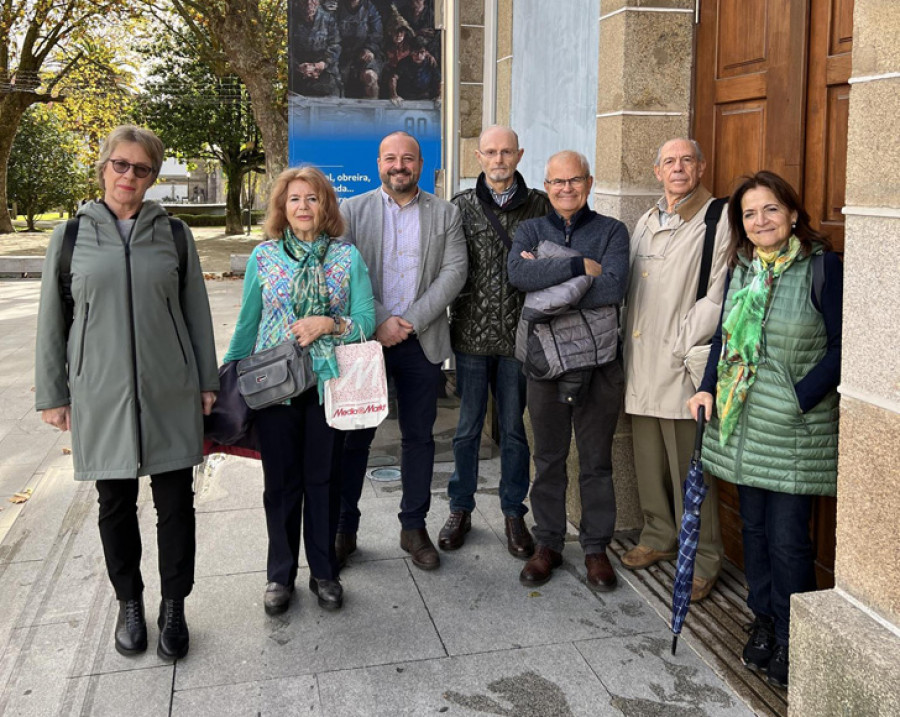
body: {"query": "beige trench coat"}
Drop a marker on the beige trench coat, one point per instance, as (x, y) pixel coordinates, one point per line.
(663, 319)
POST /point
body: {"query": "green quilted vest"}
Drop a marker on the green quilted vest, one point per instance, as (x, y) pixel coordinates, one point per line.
(774, 445)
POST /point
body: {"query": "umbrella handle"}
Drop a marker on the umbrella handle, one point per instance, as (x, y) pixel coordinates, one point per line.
(701, 425)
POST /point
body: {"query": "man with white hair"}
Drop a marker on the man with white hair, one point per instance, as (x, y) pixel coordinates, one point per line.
(593, 408)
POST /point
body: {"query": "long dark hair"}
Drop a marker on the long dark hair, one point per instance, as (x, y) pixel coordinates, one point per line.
(741, 246)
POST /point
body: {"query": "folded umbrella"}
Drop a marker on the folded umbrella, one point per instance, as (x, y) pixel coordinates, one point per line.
(695, 489)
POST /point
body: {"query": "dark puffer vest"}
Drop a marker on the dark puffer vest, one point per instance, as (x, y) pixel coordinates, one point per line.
(484, 316)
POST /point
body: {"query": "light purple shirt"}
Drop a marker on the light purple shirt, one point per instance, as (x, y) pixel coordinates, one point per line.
(400, 254)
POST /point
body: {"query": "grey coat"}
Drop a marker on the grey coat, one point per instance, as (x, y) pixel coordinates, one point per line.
(443, 263)
(139, 351)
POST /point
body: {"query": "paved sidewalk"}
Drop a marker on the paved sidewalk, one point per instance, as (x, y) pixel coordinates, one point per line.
(464, 640)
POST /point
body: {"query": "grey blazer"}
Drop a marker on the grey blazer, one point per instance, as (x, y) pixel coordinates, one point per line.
(443, 263)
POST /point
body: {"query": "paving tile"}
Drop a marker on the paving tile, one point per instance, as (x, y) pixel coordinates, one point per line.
(218, 536)
(233, 640)
(550, 681)
(645, 679)
(269, 698)
(18, 448)
(229, 483)
(136, 693)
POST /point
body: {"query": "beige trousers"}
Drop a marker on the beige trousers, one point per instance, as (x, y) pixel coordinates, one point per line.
(662, 456)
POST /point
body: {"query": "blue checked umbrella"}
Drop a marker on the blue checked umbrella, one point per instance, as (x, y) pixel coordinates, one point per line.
(694, 493)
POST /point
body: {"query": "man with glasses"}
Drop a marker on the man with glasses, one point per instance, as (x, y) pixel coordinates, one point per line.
(670, 317)
(483, 334)
(601, 244)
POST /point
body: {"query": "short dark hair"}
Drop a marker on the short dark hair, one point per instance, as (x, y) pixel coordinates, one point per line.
(741, 246)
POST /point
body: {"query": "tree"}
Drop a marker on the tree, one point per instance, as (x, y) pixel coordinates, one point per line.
(41, 43)
(200, 115)
(43, 170)
(249, 37)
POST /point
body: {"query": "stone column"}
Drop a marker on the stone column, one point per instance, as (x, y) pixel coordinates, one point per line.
(471, 84)
(845, 642)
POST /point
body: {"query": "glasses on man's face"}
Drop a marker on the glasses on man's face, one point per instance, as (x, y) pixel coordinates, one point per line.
(120, 166)
(492, 153)
(575, 182)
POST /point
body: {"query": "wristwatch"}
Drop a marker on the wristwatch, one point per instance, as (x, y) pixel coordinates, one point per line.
(336, 331)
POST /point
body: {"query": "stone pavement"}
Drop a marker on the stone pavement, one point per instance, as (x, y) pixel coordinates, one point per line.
(467, 639)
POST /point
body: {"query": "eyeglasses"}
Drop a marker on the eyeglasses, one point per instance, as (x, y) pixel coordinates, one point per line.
(560, 183)
(120, 166)
(505, 153)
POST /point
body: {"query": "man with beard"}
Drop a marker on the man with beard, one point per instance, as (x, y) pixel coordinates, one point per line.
(315, 47)
(413, 244)
(483, 323)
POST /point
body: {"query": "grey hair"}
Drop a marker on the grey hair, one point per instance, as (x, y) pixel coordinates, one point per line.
(498, 126)
(148, 141)
(569, 154)
(698, 153)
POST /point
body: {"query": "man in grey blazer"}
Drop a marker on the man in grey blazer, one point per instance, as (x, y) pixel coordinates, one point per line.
(414, 246)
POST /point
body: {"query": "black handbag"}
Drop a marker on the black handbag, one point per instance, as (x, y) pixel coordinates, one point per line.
(231, 419)
(274, 375)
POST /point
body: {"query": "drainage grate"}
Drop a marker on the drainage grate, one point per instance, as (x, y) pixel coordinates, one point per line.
(385, 475)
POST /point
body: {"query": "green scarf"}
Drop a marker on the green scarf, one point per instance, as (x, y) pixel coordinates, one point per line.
(742, 336)
(310, 297)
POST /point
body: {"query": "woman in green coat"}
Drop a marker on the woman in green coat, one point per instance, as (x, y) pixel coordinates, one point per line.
(130, 367)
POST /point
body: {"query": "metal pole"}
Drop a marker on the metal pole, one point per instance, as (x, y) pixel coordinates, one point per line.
(489, 88)
(451, 97)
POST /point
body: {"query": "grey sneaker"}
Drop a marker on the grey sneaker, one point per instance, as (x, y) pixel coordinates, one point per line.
(277, 598)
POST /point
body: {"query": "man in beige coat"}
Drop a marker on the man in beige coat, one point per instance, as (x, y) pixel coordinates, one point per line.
(664, 322)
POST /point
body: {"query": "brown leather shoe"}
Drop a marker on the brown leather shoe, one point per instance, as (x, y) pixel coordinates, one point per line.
(540, 566)
(642, 556)
(344, 544)
(701, 587)
(420, 548)
(600, 573)
(453, 534)
(519, 542)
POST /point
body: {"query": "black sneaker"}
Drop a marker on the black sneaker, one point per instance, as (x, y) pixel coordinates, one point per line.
(778, 667)
(758, 650)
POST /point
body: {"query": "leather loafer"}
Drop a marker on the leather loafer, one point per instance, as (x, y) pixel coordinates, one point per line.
(642, 556)
(519, 542)
(329, 592)
(539, 567)
(131, 628)
(600, 573)
(174, 638)
(453, 534)
(701, 588)
(344, 545)
(420, 548)
(277, 598)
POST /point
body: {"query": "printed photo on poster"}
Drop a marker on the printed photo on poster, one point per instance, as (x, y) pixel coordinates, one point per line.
(360, 69)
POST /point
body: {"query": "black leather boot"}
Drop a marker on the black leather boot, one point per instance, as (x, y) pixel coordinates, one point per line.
(173, 630)
(131, 628)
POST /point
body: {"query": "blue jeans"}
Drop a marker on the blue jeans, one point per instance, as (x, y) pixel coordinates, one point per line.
(503, 376)
(778, 553)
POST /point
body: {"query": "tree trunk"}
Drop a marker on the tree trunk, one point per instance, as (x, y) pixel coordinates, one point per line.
(29, 220)
(232, 200)
(12, 107)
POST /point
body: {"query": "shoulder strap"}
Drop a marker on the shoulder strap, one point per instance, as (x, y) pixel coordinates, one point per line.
(181, 248)
(713, 214)
(495, 222)
(818, 279)
(70, 236)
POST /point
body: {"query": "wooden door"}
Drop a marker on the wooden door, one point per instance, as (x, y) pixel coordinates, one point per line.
(771, 92)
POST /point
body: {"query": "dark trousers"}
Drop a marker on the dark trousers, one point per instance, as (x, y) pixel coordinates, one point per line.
(594, 422)
(173, 498)
(416, 380)
(778, 553)
(301, 487)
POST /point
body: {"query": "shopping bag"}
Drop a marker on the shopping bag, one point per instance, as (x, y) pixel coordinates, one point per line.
(358, 398)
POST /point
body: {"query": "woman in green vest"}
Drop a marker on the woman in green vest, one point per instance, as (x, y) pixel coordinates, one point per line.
(772, 375)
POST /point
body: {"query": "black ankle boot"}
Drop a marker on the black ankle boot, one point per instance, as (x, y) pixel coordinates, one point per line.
(173, 630)
(131, 628)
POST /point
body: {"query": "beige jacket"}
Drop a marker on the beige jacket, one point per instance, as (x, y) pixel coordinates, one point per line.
(663, 319)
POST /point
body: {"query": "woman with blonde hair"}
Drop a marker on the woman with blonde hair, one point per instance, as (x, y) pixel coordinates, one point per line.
(303, 285)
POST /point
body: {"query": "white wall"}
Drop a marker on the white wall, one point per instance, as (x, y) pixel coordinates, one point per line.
(554, 80)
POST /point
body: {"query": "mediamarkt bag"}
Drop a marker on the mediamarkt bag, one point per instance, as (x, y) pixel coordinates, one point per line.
(358, 398)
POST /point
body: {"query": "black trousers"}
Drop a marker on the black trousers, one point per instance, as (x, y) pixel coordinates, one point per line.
(594, 422)
(302, 487)
(173, 498)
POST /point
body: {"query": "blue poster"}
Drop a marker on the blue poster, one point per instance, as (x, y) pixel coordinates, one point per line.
(359, 70)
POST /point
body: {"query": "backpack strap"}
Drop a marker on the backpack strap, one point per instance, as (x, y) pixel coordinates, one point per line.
(181, 249)
(495, 223)
(713, 214)
(70, 236)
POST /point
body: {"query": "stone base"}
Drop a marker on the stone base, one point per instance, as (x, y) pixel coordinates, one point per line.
(842, 661)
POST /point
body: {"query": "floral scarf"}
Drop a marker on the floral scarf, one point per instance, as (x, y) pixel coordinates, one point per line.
(742, 336)
(309, 294)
